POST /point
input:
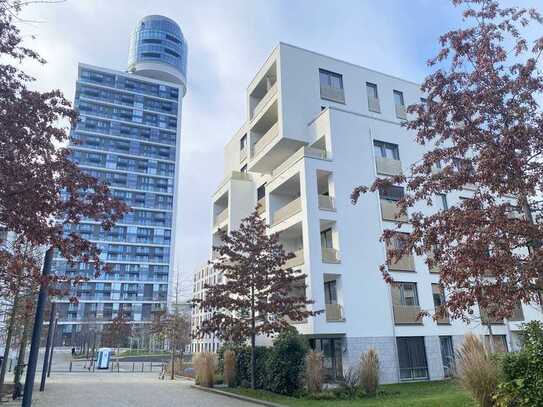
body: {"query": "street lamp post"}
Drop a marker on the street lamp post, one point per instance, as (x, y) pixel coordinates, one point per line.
(36, 332)
(50, 334)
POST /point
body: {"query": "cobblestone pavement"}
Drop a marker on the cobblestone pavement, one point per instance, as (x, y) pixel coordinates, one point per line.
(123, 390)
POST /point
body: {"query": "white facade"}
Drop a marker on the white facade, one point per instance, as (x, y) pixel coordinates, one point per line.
(316, 128)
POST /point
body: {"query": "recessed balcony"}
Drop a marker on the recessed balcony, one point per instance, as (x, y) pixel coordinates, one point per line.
(285, 200)
(329, 242)
(220, 211)
(221, 218)
(297, 260)
(330, 255)
(263, 92)
(333, 299)
(291, 239)
(325, 190)
(266, 139)
(287, 211)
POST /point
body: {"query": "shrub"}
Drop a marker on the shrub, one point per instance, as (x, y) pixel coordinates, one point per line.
(285, 363)
(205, 364)
(369, 372)
(477, 371)
(242, 368)
(522, 383)
(313, 372)
(229, 367)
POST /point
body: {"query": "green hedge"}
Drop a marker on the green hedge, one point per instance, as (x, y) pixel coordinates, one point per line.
(278, 368)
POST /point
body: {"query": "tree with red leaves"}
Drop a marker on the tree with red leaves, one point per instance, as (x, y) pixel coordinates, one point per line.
(41, 189)
(258, 295)
(483, 125)
(117, 332)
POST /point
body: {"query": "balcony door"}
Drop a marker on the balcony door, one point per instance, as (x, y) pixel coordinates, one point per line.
(412, 358)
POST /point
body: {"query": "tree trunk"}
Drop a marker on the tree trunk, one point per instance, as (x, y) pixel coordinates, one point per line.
(9, 337)
(18, 371)
(173, 362)
(253, 361)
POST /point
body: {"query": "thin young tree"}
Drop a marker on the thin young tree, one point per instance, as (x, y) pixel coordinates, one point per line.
(117, 332)
(482, 123)
(256, 294)
(174, 327)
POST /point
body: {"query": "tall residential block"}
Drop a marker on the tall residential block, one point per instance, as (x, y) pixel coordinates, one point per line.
(128, 135)
(316, 127)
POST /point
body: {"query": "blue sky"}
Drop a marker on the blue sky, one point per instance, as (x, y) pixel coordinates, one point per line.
(228, 41)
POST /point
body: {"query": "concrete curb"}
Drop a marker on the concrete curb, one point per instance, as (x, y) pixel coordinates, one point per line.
(237, 396)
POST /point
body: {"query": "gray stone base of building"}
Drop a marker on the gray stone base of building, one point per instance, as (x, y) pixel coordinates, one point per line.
(388, 355)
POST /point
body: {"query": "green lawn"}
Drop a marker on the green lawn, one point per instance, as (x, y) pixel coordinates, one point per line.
(420, 394)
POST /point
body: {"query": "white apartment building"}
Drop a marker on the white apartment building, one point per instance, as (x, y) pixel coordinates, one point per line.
(317, 127)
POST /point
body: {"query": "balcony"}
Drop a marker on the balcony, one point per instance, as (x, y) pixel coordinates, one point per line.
(334, 313)
(290, 209)
(296, 261)
(221, 218)
(391, 212)
(388, 166)
(330, 255)
(327, 203)
(406, 314)
(271, 92)
(266, 139)
(243, 154)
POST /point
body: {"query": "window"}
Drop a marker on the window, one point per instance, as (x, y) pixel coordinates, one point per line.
(392, 193)
(243, 143)
(386, 150)
(447, 355)
(405, 294)
(326, 239)
(412, 358)
(331, 79)
(261, 192)
(442, 198)
(373, 98)
(330, 292)
(437, 293)
(399, 104)
(331, 85)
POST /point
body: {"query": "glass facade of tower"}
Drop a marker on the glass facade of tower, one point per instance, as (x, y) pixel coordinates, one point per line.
(127, 136)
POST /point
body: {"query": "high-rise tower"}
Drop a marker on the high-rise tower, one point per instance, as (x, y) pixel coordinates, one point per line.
(128, 135)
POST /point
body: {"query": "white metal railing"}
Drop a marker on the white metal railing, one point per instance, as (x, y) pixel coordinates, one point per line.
(327, 203)
(296, 261)
(269, 94)
(290, 209)
(330, 255)
(400, 112)
(221, 217)
(334, 312)
(406, 314)
(266, 139)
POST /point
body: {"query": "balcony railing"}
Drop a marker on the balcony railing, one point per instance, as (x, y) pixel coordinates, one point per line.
(404, 263)
(290, 209)
(400, 112)
(261, 206)
(221, 218)
(327, 203)
(387, 166)
(444, 320)
(334, 313)
(296, 261)
(406, 314)
(302, 152)
(333, 94)
(266, 139)
(330, 255)
(269, 94)
(390, 211)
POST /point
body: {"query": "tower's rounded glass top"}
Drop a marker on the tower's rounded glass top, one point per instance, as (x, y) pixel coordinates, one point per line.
(158, 39)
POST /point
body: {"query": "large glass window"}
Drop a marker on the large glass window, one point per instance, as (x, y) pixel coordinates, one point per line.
(393, 193)
(398, 99)
(326, 239)
(373, 97)
(331, 79)
(330, 292)
(447, 355)
(405, 294)
(412, 358)
(386, 150)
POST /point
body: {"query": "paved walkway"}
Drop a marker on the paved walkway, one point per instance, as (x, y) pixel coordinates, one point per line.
(124, 390)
